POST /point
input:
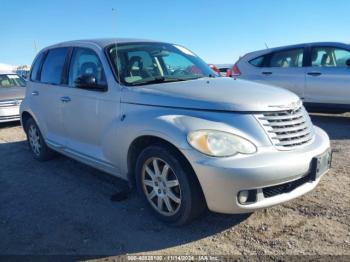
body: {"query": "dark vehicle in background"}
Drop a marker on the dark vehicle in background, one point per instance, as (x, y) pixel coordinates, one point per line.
(224, 69)
(221, 69)
(12, 91)
(319, 73)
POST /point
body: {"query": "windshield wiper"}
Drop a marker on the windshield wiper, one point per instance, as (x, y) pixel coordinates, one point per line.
(162, 79)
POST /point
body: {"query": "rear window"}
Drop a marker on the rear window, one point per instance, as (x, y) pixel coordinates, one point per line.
(34, 75)
(51, 72)
(258, 62)
(287, 58)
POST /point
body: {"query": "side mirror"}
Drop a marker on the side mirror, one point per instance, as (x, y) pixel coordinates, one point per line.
(347, 62)
(89, 82)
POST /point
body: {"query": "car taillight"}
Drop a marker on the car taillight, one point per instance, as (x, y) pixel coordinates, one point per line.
(235, 71)
(229, 73)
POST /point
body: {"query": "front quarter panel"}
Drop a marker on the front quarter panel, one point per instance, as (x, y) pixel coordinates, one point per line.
(173, 125)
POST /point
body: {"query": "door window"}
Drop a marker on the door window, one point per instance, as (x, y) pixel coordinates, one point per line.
(51, 72)
(287, 58)
(85, 62)
(329, 57)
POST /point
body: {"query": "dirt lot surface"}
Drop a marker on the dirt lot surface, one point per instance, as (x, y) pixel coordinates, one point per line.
(64, 207)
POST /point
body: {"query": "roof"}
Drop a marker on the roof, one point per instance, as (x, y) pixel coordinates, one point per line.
(302, 45)
(102, 42)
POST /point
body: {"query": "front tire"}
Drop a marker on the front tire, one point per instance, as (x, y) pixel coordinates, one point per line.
(37, 145)
(168, 185)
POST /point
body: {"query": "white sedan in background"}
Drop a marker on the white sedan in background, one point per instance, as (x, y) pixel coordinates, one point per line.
(12, 91)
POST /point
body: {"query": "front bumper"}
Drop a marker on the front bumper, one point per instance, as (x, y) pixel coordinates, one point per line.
(222, 179)
(8, 114)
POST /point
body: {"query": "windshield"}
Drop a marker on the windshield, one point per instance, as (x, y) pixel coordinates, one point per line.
(152, 63)
(11, 80)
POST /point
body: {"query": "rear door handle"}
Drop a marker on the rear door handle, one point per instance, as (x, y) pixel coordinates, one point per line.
(35, 93)
(65, 99)
(267, 73)
(314, 73)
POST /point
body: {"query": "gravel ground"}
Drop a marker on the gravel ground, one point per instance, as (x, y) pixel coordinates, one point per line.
(64, 207)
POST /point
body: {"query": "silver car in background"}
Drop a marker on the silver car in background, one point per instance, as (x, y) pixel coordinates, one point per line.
(319, 73)
(12, 91)
(153, 114)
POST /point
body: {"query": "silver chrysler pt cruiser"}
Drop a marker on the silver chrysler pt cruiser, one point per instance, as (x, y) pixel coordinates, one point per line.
(154, 114)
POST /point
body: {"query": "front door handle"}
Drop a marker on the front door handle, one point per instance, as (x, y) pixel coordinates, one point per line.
(314, 73)
(35, 93)
(65, 99)
(267, 73)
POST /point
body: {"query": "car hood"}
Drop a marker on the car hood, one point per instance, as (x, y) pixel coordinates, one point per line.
(12, 93)
(221, 93)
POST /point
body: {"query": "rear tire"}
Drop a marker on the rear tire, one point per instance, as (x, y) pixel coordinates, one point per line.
(168, 185)
(37, 145)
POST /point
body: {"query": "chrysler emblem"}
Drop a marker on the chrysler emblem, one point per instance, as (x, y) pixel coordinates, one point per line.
(294, 106)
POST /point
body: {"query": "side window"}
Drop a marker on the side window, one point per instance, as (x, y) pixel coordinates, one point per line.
(51, 72)
(288, 58)
(34, 75)
(258, 62)
(329, 57)
(85, 62)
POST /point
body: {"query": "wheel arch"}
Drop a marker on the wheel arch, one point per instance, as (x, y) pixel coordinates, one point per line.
(143, 141)
(25, 116)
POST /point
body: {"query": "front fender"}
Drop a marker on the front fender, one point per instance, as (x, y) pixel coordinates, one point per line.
(173, 125)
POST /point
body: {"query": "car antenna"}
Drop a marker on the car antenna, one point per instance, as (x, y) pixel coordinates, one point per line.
(35, 47)
(266, 46)
(114, 11)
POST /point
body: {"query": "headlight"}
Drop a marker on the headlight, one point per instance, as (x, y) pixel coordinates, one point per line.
(220, 144)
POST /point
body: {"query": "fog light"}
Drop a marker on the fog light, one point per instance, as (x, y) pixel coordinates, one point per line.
(243, 196)
(246, 197)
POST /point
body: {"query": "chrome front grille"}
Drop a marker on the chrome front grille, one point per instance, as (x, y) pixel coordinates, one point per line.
(9, 103)
(287, 129)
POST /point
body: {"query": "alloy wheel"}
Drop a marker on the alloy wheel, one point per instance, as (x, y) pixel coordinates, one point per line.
(34, 139)
(161, 186)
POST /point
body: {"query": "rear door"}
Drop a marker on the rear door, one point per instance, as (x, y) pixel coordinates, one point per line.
(45, 91)
(284, 69)
(328, 76)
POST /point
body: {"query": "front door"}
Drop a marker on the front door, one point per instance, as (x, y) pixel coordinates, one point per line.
(88, 112)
